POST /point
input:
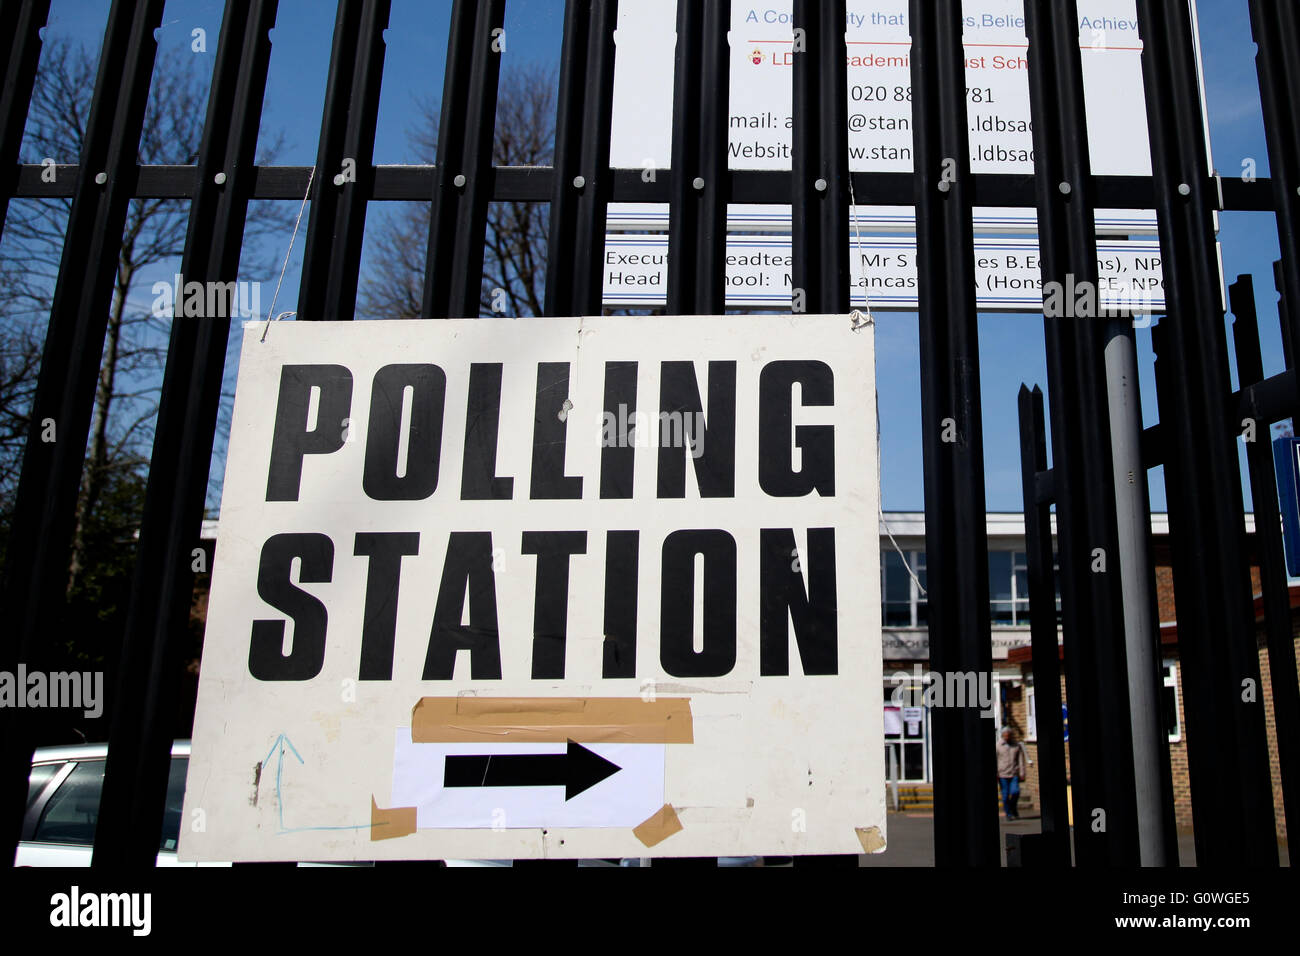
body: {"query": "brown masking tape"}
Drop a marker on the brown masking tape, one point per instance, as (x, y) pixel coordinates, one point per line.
(871, 839)
(387, 824)
(615, 720)
(659, 826)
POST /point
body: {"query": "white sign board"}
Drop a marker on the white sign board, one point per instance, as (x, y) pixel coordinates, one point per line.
(1008, 273)
(893, 721)
(880, 97)
(912, 716)
(494, 588)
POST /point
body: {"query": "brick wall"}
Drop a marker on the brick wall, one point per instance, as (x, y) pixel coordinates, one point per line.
(1177, 749)
(1270, 721)
(1178, 759)
(1165, 594)
(1020, 717)
(1166, 607)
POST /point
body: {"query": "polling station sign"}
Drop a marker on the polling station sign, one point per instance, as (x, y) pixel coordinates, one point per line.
(491, 588)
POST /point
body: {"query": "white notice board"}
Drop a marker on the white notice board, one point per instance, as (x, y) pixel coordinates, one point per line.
(879, 119)
(495, 588)
(1008, 273)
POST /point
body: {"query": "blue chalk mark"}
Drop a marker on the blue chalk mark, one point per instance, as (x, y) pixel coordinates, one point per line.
(286, 740)
(281, 741)
(279, 744)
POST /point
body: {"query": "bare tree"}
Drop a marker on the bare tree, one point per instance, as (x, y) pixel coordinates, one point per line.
(20, 360)
(135, 341)
(515, 251)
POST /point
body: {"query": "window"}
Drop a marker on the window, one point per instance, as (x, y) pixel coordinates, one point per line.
(175, 798)
(918, 565)
(1020, 585)
(902, 603)
(71, 814)
(896, 590)
(1001, 603)
(1009, 588)
(1169, 701)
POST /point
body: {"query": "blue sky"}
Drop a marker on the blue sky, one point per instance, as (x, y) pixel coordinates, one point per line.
(1011, 346)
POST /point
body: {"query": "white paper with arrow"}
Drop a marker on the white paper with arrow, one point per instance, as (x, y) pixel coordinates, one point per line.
(573, 785)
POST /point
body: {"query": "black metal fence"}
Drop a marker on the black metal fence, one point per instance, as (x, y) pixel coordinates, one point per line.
(1234, 820)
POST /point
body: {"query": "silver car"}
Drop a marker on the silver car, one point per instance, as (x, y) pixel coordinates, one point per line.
(63, 794)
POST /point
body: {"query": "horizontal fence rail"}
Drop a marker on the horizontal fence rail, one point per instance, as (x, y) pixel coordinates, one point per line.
(757, 186)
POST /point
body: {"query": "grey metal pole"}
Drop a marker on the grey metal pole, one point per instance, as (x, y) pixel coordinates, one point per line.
(1132, 519)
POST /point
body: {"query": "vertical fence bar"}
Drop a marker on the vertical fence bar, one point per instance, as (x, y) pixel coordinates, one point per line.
(1275, 27)
(1232, 803)
(582, 183)
(820, 158)
(1272, 564)
(1284, 314)
(820, 192)
(1042, 628)
(956, 536)
(453, 273)
(35, 586)
(1101, 746)
(329, 155)
(345, 172)
(21, 23)
(699, 182)
(129, 827)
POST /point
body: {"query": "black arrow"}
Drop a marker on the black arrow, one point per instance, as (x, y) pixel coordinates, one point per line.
(576, 770)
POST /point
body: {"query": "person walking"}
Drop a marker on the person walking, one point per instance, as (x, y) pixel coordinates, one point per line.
(1011, 771)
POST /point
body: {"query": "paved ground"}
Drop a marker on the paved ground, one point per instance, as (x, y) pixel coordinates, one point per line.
(911, 841)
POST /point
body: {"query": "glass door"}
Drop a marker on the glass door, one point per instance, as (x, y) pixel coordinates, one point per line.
(907, 736)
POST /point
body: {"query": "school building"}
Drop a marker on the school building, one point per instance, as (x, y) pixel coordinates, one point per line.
(906, 649)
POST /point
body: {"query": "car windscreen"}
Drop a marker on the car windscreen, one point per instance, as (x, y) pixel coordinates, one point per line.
(72, 812)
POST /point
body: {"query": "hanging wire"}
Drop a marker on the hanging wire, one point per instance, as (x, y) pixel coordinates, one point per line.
(857, 318)
(288, 252)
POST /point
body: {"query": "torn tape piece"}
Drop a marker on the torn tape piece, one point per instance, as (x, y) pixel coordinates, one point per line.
(387, 824)
(659, 826)
(628, 720)
(872, 840)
